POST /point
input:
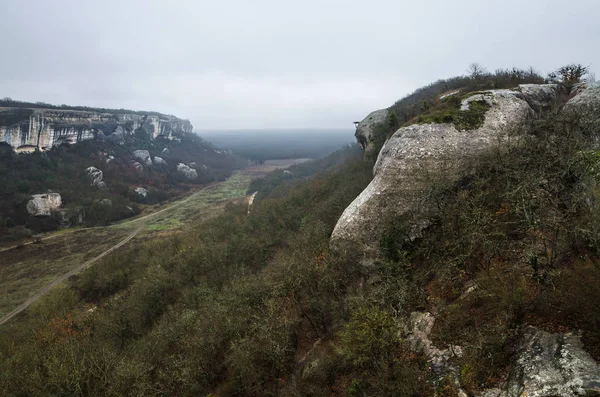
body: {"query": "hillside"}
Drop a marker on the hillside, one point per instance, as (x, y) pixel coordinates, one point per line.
(460, 256)
(99, 165)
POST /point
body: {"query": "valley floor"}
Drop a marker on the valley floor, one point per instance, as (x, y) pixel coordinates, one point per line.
(27, 271)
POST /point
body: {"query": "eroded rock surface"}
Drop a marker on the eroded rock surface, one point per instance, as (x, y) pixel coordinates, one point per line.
(159, 161)
(408, 160)
(585, 106)
(143, 156)
(44, 204)
(95, 177)
(550, 364)
(186, 171)
(365, 127)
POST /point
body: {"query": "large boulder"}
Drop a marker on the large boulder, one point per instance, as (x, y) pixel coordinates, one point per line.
(44, 204)
(186, 171)
(585, 107)
(143, 156)
(364, 129)
(159, 161)
(550, 364)
(95, 176)
(141, 192)
(408, 160)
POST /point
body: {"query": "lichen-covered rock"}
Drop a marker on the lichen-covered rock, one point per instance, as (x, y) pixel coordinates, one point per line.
(143, 156)
(364, 129)
(186, 171)
(141, 192)
(585, 107)
(44, 204)
(95, 176)
(159, 161)
(405, 165)
(539, 96)
(553, 365)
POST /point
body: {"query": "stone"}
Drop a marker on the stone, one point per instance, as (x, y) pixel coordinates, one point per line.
(43, 128)
(44, 204)
(138, 167)
(192, 164)
(365, 127)
(584, 108)
(141, 191)
(551, 364)
(414, 155)
(186, 171)
(159, 161)
(95, 176)
(143, 156)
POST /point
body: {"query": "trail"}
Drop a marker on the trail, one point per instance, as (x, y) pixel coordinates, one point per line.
(79, 268)
(65, 276)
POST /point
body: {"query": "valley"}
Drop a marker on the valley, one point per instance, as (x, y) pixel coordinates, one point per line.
(30, 268)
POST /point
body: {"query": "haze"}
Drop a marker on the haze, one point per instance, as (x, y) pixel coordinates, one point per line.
(273, 63)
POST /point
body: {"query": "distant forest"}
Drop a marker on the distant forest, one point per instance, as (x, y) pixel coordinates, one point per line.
(280, 143)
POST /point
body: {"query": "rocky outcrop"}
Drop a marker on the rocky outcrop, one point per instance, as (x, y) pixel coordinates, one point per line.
(44, 204)
(365, 127)
(143, 156)
(137, 166)
(550, 364)
(43, 128)
(95, 176)
(186, 171)
(585, 107)
(405, 165)
(141, 192)
(159, 161)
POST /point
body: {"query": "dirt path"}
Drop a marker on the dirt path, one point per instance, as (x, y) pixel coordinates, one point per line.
(65, 276)
(79, 268)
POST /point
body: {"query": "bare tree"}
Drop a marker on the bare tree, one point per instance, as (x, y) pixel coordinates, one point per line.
(476, 70)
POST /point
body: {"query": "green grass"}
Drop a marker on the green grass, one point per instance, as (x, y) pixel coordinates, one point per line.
(26, 270)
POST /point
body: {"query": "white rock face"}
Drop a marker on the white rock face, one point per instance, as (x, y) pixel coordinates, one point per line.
(159, 161)
(586, 107)
(43, 128)
(44, 204)
(407, 160)
(186, 171)
(143, 156)
(95, 176)
(365, 127)
(141, 191)
(553, 365)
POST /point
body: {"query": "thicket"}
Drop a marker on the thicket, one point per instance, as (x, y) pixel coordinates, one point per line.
(62, 170)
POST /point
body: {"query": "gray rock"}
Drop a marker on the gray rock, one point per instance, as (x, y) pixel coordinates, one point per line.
(141, 191)
(539, 96)
(95, 176)
(105, 201)
(408, 160)
(143, 156)
(365, 127)
(44, 204)
(186, 171)
(584, 108)
(192, 164)
(159, 161)
(117, 137)
(553, 365)
(138, 167)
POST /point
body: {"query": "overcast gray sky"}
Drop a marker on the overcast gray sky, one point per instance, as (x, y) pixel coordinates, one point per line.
(275, 63)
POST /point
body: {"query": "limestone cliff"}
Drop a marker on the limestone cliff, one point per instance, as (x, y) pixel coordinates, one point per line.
(27, 129)
(414, 153)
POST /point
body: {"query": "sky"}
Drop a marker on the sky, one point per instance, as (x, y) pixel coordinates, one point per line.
(227, 64)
